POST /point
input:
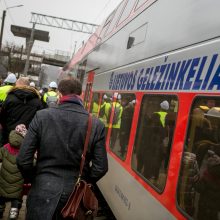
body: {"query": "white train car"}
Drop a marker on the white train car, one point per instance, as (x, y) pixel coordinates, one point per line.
(151, 51)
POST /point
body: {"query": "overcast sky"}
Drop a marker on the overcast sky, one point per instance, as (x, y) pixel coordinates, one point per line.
(91, 11)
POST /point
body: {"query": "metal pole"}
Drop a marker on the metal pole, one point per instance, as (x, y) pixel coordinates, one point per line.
(74, 51)
(20, 60)
(30, 44)
(2, 28)
(21, 52)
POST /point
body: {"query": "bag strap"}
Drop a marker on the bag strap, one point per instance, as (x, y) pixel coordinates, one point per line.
(85, 146)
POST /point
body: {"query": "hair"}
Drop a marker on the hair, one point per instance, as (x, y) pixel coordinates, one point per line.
(70, 86)
(23, 81)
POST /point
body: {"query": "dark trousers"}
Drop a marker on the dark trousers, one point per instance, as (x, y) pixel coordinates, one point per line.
(63, 200)
(114, 136)
(15, 203)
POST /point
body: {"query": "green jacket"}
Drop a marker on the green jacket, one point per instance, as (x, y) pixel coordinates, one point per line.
(11, 180)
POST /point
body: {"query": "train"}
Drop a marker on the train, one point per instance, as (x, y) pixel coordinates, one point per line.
(157, 62)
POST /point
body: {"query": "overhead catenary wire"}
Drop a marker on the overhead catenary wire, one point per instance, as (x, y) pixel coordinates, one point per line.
(99, 14)
(81, 38)
(104, 8)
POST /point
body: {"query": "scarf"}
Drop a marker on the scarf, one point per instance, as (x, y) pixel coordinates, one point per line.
(71, 99)
(11, 150)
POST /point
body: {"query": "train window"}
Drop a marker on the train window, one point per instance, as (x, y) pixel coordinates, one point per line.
(116, 16)
(154, 138)
(137, 36)
(104, 110)
(198, 191)
(120, 119)
(126, 11)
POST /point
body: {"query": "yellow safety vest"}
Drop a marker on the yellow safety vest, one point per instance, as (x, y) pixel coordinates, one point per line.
(50, 93)
(117, 105)
(95, 108)
(162, 117)
(4, 92)
(106, 106)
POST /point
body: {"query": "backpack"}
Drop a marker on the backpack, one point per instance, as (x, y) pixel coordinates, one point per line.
(116, 116)
(51, 100)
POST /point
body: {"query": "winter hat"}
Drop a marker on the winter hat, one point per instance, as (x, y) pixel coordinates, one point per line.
(15, 139)
(165, 105)
(16, 136)
(21, 129)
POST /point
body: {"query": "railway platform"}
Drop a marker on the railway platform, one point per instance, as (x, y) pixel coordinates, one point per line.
(23, 210)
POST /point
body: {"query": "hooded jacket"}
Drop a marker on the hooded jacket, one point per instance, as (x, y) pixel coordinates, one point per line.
(19, 107)
(11, 180)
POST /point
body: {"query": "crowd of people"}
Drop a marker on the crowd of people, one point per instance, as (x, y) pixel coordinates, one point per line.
(121, 109)
(199, 185)
(42, 138)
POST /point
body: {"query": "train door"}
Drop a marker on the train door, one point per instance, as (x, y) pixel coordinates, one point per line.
(88, 91)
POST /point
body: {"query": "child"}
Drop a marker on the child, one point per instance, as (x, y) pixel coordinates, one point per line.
(11, 181)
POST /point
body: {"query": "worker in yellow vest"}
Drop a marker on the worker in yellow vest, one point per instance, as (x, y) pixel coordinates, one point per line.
(9, 84)
(50, 98)
(165, 132)
(104, 112)
(164, 107)
(95, 108)
(95, 104)
(116, 119)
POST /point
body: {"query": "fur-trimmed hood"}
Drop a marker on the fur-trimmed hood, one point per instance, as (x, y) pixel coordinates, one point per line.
(24, 92)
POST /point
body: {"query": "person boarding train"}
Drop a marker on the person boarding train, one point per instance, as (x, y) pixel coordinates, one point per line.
(58, 135)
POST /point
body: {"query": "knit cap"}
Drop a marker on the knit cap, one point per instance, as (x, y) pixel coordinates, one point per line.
(16, 136)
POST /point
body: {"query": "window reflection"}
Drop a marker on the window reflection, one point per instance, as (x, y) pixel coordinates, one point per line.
(95, 104)
(122, 109)
(199, 183)
(154, 138)
(128, 104)
(104, 110)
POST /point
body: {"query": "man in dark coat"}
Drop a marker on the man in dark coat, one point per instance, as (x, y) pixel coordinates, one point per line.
(58, 135)
(126, 121)
(19, 107)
